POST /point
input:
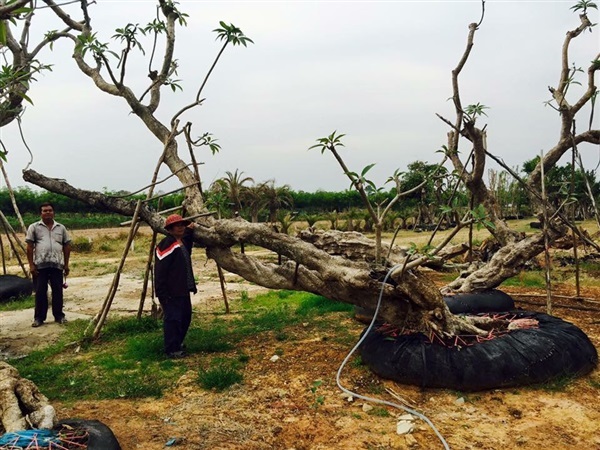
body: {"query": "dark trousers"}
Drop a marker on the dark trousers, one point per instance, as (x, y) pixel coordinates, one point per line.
(55, 278)
(176, 321)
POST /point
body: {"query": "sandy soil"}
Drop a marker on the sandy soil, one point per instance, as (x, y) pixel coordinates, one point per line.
(274, 407)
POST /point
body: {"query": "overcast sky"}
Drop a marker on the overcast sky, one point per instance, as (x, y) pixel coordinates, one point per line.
(377, 71)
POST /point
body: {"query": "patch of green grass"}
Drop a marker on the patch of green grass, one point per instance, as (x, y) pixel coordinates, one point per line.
(18, 304)
(130, 326)
(281, 336)
(210, 338)
(448, 277)
(557, 384)
(533, 279)
(94, 267)
(143, 347)
(376, 388)
(127, 362)
(274, 319)
(274, 299)
(221, 374)
(285, 294)
(243, 358)
(594, 383)
(318, 400)
(357, 362)
(379, 412)
(589, 266)
(314, 305)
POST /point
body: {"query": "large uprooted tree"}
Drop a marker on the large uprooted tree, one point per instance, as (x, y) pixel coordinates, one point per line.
(320, 264)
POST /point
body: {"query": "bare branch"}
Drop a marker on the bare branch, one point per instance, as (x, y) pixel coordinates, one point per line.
(79, 26)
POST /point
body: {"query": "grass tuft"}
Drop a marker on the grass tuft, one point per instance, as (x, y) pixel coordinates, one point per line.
(222, 374)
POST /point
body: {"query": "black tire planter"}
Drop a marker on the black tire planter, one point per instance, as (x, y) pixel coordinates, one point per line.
(13, 286)
(100, 437)
(520, 357)
(491, 300)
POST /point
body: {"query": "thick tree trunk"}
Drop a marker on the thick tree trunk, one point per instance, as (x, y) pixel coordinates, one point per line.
(507, 262)
(410, 299)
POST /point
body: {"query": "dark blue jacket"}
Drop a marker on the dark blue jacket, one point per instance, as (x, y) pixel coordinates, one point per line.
(170, 271)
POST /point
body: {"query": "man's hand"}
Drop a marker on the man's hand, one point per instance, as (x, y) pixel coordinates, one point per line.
(33, 269)
(66, 270)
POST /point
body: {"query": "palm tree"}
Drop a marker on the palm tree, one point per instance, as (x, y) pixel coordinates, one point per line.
(217, 197)
(286, 219)
(275, 198)
(251, 199)
(235, 183)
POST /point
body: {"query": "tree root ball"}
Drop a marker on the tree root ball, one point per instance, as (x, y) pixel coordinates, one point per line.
(551, 350)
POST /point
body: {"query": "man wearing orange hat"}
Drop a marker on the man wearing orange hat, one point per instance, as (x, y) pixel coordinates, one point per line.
(173, 282)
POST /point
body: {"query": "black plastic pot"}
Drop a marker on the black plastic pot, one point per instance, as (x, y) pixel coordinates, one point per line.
(520, 357)
(100, 437)
(491, 300)
(13, 286)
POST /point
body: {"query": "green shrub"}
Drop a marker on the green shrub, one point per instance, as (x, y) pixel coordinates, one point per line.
(81, 245)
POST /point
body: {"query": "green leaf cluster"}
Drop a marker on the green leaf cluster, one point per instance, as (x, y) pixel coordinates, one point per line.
(232, 34)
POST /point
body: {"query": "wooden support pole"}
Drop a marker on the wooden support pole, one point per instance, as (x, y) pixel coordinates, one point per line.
(8, 229)
(148, 271)
(546, 244)
(169, 193)
(13, 200)
(115, 284)
(147, 275)
(573, 217)
(3, 256)
(222, 281)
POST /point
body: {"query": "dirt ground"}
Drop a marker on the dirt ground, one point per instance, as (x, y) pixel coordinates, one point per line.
(274, 407)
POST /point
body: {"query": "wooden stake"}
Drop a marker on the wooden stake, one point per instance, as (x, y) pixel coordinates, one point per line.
(113, 288)
(571, 189)
(222, 281)
(12, 198)
(147, 275)
(8, 230)
(3, 256)
(546, 245)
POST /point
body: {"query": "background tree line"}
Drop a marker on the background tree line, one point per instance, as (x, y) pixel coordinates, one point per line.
(438, 200)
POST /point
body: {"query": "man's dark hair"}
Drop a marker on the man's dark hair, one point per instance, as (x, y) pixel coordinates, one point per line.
(46, 204)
